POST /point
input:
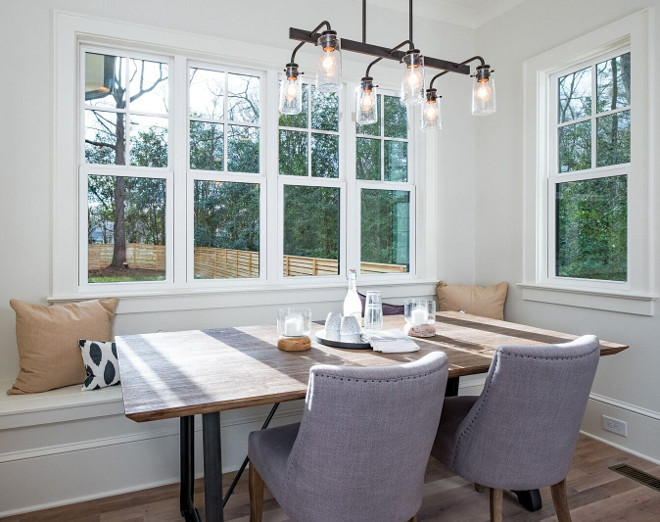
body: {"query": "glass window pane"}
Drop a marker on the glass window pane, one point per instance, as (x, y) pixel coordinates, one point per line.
(325, 155)
(613, 83)
(325, 110)
(613, 139)
(206, 145)
(207, 89)
(396, 160)
(574, 95)
(243, 149)
(105, 85)
(385, 231)
(105, 138)
(367, 159)
(148, 141)
(243, 98)
(575, 147)
(396, 117)
(592, 220)
(126, 231)
(293, 153)
(297, 120)
(226, 229)
(311, 231)
(373, 129)
(148, 86)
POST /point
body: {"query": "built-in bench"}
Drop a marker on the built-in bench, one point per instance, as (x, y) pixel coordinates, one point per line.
(61, 405)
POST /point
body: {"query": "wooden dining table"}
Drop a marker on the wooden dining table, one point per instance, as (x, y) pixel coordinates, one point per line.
(183, 374)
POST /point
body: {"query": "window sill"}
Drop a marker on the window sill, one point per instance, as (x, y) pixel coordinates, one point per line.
(622, 302)
(237, 297)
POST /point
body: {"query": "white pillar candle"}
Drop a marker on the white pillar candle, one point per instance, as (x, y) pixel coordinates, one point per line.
(293, 326)
(419, 316)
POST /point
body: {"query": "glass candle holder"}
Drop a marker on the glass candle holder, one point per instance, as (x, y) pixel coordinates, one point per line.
(419, 311)
(294, 322)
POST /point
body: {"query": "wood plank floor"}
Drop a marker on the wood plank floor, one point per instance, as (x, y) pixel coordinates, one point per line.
(595, 494)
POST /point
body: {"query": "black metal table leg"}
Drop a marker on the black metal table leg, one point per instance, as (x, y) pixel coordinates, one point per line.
(530, 500)
(452, 387)
(245, 462)
(212, 467)
(187, 469)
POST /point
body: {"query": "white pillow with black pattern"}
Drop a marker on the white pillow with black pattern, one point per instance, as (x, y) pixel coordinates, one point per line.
(101, 364)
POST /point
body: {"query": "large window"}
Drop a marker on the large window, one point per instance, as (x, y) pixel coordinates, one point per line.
(586, 146)
(125, 168)
(381, 166)
(589, 186)
(309, 173)
(188, 177)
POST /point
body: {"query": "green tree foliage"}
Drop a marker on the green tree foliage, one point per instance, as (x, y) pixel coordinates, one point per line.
(592, 214)
(385, 231)
(144, 209)
(311, 221)
(592, 228)
(227, 215)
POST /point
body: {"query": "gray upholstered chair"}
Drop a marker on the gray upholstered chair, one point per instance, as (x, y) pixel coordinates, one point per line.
(361, 449)
(520, 433)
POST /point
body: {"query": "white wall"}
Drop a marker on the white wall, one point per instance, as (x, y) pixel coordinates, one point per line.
(627, 385)
(26, 206)
(26, 136)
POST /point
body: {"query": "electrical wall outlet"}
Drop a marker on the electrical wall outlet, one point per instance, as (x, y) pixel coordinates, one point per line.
(615, 426)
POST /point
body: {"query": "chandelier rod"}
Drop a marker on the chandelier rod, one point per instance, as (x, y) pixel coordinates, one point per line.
(307, 36)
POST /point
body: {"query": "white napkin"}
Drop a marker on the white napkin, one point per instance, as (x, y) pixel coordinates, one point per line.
(390, 341)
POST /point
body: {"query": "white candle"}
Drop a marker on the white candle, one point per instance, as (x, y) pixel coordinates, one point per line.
(419, 316)
(293, 326)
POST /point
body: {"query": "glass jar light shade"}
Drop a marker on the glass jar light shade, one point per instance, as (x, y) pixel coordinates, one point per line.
(328, 77)
(294, 321)
(483, 92)
(366, 110)
(291, 91)
(412, 86)
(431, 113)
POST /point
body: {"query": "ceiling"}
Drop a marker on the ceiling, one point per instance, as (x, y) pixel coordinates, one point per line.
(470, 4)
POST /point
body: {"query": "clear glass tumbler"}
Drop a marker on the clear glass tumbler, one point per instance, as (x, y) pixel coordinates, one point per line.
(373, 311)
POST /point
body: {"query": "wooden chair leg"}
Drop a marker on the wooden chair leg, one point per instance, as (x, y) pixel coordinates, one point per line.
(256, 495)
(560, 500)
(413, 519)
(496, 496)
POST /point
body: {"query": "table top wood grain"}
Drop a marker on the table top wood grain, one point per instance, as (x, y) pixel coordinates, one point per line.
(174, 374)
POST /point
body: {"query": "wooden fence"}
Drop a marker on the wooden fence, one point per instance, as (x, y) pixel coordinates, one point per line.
(150, 257)
(222, 263)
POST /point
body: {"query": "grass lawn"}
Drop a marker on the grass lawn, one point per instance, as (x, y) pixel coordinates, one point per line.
(124, 275)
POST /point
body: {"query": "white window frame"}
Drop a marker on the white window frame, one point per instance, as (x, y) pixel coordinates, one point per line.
(339, 183)
(127, 170)
(226, 175)
(635, 295)
(70, 31)
(405, 186)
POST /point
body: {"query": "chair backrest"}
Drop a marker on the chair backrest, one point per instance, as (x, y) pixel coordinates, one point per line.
(364, 441)
(522, 431)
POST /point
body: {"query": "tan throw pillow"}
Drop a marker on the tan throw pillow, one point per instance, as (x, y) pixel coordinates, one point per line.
(486, 301)
(48, 336)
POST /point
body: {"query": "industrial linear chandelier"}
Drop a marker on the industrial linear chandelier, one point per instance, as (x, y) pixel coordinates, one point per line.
(413, 91)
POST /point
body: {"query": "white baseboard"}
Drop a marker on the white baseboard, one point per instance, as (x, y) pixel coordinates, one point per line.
(134, 458)
(643, 426)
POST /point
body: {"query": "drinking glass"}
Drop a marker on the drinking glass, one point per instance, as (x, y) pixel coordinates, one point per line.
(419, 311)
(373, 311)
